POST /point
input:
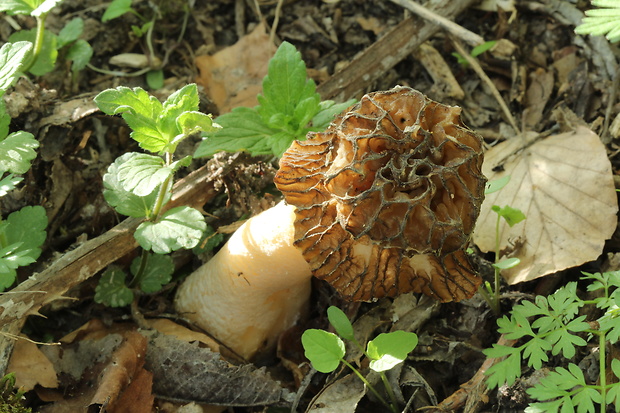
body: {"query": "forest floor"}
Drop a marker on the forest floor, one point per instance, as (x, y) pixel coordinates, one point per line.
(555, 85)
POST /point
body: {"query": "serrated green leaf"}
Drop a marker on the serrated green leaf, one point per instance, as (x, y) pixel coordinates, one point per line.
(565, 343)
(515, 327)
(324, 350)
(12, 58)
(613, 392)
(143, 173)
(242, 130)
(71, 32)
(116, 9)
(191, 122)
(552, 406)
(79, 53)
(16, 152)
(112, 290)
(340, 322)
(123, 201)
(535, 351)
(46, 59)
(504, 372)
(157, 272)
(26, 226)
(389, 349)
(286, 83)
(179, 227)
(13, 7)
(140, 110)
(279, 142)
(328, 110)
(8, 183)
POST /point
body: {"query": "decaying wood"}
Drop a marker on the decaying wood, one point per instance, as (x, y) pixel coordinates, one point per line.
(386, 52)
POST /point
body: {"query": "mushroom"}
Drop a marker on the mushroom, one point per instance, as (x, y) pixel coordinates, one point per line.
(381, 203)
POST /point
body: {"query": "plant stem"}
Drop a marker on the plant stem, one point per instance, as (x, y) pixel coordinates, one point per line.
(370, 387)
(38, 42)
(161, 194)
(495, 304)
(140, 273)
(602, 369)
(388, 389)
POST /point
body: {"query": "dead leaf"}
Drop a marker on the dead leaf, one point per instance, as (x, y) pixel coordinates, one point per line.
(341, 396)
(538, 93)
(186, 372)
(564, 185)
(233, 76)
(171, 328)
(31, 367)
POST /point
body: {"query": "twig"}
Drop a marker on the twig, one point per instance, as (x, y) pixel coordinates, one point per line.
(483, 76)
(276, 20)
(612, 100)
(467, 36)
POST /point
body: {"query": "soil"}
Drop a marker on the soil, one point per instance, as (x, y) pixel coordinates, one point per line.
(77, 143)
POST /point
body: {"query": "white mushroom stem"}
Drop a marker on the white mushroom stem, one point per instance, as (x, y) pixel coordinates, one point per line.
(254, 288)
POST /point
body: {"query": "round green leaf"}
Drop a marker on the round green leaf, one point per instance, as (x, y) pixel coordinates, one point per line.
(111, 289)
(389, 349)
(324, 350)
(157, 272)
(341, 322)
(180, 227)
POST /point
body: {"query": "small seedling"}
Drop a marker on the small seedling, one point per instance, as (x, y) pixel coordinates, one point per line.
(289, 108)
(326, 351)
(512, 216)
(554, 325)
(47, 44)
(475, 52)
(11, 400)
(23, 232)
(139, 185)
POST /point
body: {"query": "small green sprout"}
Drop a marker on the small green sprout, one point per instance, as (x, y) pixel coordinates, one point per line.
(11, 400)
(326, 351)
(554, 325)
(140, 184)
(289, 108)
(475, 52)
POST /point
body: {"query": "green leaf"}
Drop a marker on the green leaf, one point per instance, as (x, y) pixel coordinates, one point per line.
(16, 152)
(8, 183)
(279, 142)
(46, 59)
(285, 85)
(5, 119)
(12, 58)
(613, 392)
(155, 79)
(71, 32)
(143, 173)
(44, 7)
(507, 263)
(496, 184)
(602, 21)
(242, 130)
(79, 53)
(157, 272)
(141, 112)
(506, 371)
(535, 351)
(209, 241)
(116, 9)
(389, 349)
(481, 48)
(511, 215)
(13, 7)
(123, 201)
(191, 122)
(324, 350)
(112, 290)
(340, 322)
(328, 110)
(179, 227)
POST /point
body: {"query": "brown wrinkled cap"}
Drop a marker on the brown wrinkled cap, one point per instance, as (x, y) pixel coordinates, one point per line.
(387, 197)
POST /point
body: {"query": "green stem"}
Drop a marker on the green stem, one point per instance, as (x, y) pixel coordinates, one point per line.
(388, 389)
(370, 387)
(137, 279)
(495, 306)
(161, 194)
(38, 41)
(149, 43)
(602, 370)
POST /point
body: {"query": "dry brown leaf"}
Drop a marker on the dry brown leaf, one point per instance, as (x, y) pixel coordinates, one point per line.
(31, 367)
(171, 328)
(233, 76)
(564, 185)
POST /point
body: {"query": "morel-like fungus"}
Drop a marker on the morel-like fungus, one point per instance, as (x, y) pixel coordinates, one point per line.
(387, 198)
(382, 203)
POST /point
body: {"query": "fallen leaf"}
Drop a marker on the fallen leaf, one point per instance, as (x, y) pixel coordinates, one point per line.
(171, 328)
(31, 367)
(341, 396)
(564, 185)
(233, 76)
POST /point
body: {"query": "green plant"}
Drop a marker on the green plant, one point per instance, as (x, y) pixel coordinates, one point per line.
(553, 325)
(326, 351)
(605, 20)
(11, 401)
(288, 109)
(47, 44)
(139, 185)
(475, 52)
(512, 216)
(23, 231)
